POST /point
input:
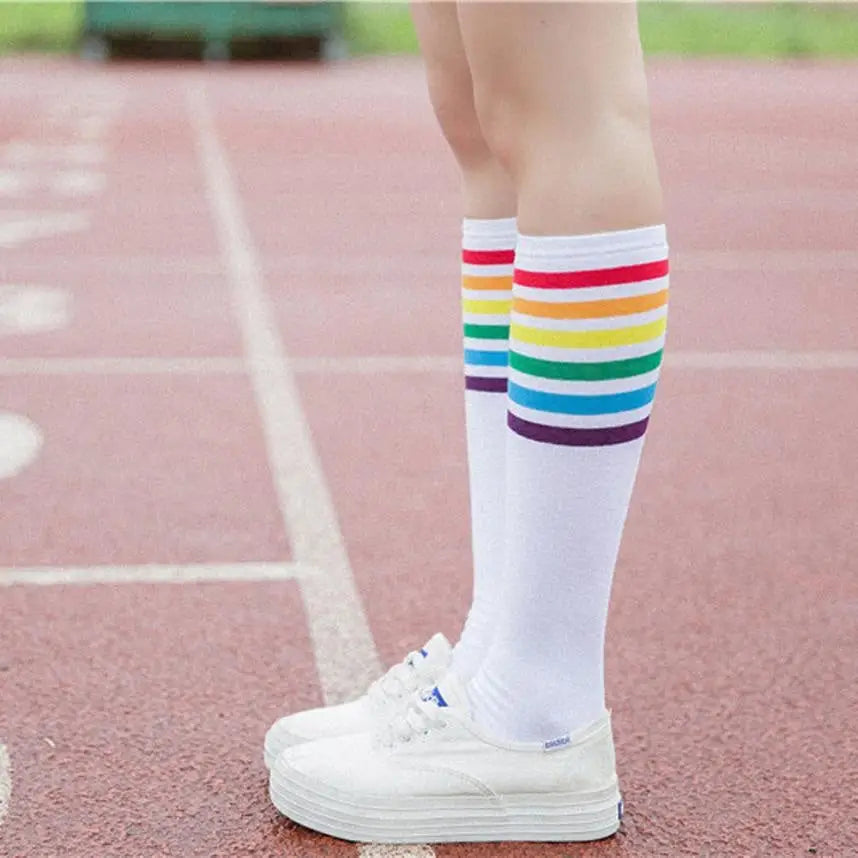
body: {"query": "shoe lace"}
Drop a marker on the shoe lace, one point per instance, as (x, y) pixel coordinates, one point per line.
(401, 680)
(418, 719)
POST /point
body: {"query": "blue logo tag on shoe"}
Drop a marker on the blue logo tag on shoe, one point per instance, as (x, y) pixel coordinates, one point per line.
(435, 695)
(424, 653)
(553, 744)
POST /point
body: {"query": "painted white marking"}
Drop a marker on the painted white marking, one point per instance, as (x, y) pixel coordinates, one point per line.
(346, 657)
(65, 183)
(5, 782)
(419, 364)
(25, 152)
(154, 573)
(14, 183)
(379, 364)
(136, 265)
(373, 264)
(384, 850)
(831, 261)
(121, 366)
(32, 309)
(809, 360)
(20, 443)
(77, 183)
(372, 365)
(16, 227)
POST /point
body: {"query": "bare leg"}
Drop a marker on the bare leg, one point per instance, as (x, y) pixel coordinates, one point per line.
(487, 189)
(561, 97)
(560, 105)
(489, 228)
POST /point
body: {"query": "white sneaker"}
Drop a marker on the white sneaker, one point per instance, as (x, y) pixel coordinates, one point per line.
(433, 776)
(420, 669)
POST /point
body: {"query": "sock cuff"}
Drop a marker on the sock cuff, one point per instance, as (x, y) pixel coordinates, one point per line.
(565, 252)
(489, 233)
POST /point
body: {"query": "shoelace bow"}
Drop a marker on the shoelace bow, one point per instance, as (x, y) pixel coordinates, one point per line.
(419, 718)
(402, 679)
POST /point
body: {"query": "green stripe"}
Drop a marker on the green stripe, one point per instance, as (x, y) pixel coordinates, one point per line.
(487, 332)
(585, 371)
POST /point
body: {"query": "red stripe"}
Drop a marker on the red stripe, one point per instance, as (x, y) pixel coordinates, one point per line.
(489, 257)
(596, 277)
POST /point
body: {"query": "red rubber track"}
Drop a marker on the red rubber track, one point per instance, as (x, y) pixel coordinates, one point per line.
(134, 713)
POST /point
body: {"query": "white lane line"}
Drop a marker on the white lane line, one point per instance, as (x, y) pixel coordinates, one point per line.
(5, 782)
(30, 309)
(380, 364)
(676, 359)
(375, 364)
(21, 441)
(346, 656)
(133, 265)
(77, 183)
(775, 261)
(121, 366)
(154, 573)
(25, 152)
(727, 261)
(19, 227)
(809, 360)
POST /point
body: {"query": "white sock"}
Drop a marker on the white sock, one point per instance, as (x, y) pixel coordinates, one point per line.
(588, 322)
(488, 248)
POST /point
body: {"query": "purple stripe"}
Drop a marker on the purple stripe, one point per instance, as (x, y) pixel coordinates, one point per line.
(570, 437)
(489, 385)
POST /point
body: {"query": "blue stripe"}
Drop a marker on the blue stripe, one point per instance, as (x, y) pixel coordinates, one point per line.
(558, 403)
(482, 358)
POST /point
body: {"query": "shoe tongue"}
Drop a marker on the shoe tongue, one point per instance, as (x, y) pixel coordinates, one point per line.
(436, 651)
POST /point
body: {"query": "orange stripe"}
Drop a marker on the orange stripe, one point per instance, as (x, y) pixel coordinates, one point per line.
(591, 309)
(497, 284)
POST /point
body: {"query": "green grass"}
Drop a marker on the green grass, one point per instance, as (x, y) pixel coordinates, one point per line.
(30, 26)
(750, 29)
(380, 28)
(785, 29)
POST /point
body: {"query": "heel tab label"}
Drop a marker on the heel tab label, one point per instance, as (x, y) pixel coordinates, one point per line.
(559, 742)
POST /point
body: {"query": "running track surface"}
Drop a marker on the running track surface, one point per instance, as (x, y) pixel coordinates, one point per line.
(230, 317)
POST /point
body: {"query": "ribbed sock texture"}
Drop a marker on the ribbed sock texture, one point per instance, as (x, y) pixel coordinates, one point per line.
(587, 333)
(487, 264)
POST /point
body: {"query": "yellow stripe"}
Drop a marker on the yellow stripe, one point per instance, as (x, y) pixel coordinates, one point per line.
(495, 308)
(497, 284)
(589, 339)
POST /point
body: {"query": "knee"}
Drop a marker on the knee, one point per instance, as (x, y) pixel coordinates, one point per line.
(500, 117)
(453, 104)
(525, 126)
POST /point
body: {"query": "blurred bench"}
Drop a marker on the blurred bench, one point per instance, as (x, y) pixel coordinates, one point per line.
(212, 30)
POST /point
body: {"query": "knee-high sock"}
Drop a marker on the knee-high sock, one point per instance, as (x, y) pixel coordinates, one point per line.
(487, 263)
(588, 325)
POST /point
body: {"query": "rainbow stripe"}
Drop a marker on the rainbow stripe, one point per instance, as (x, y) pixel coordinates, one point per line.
(586, 348)
(486, 305)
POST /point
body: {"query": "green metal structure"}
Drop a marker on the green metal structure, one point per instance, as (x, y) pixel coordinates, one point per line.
(217, 25)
